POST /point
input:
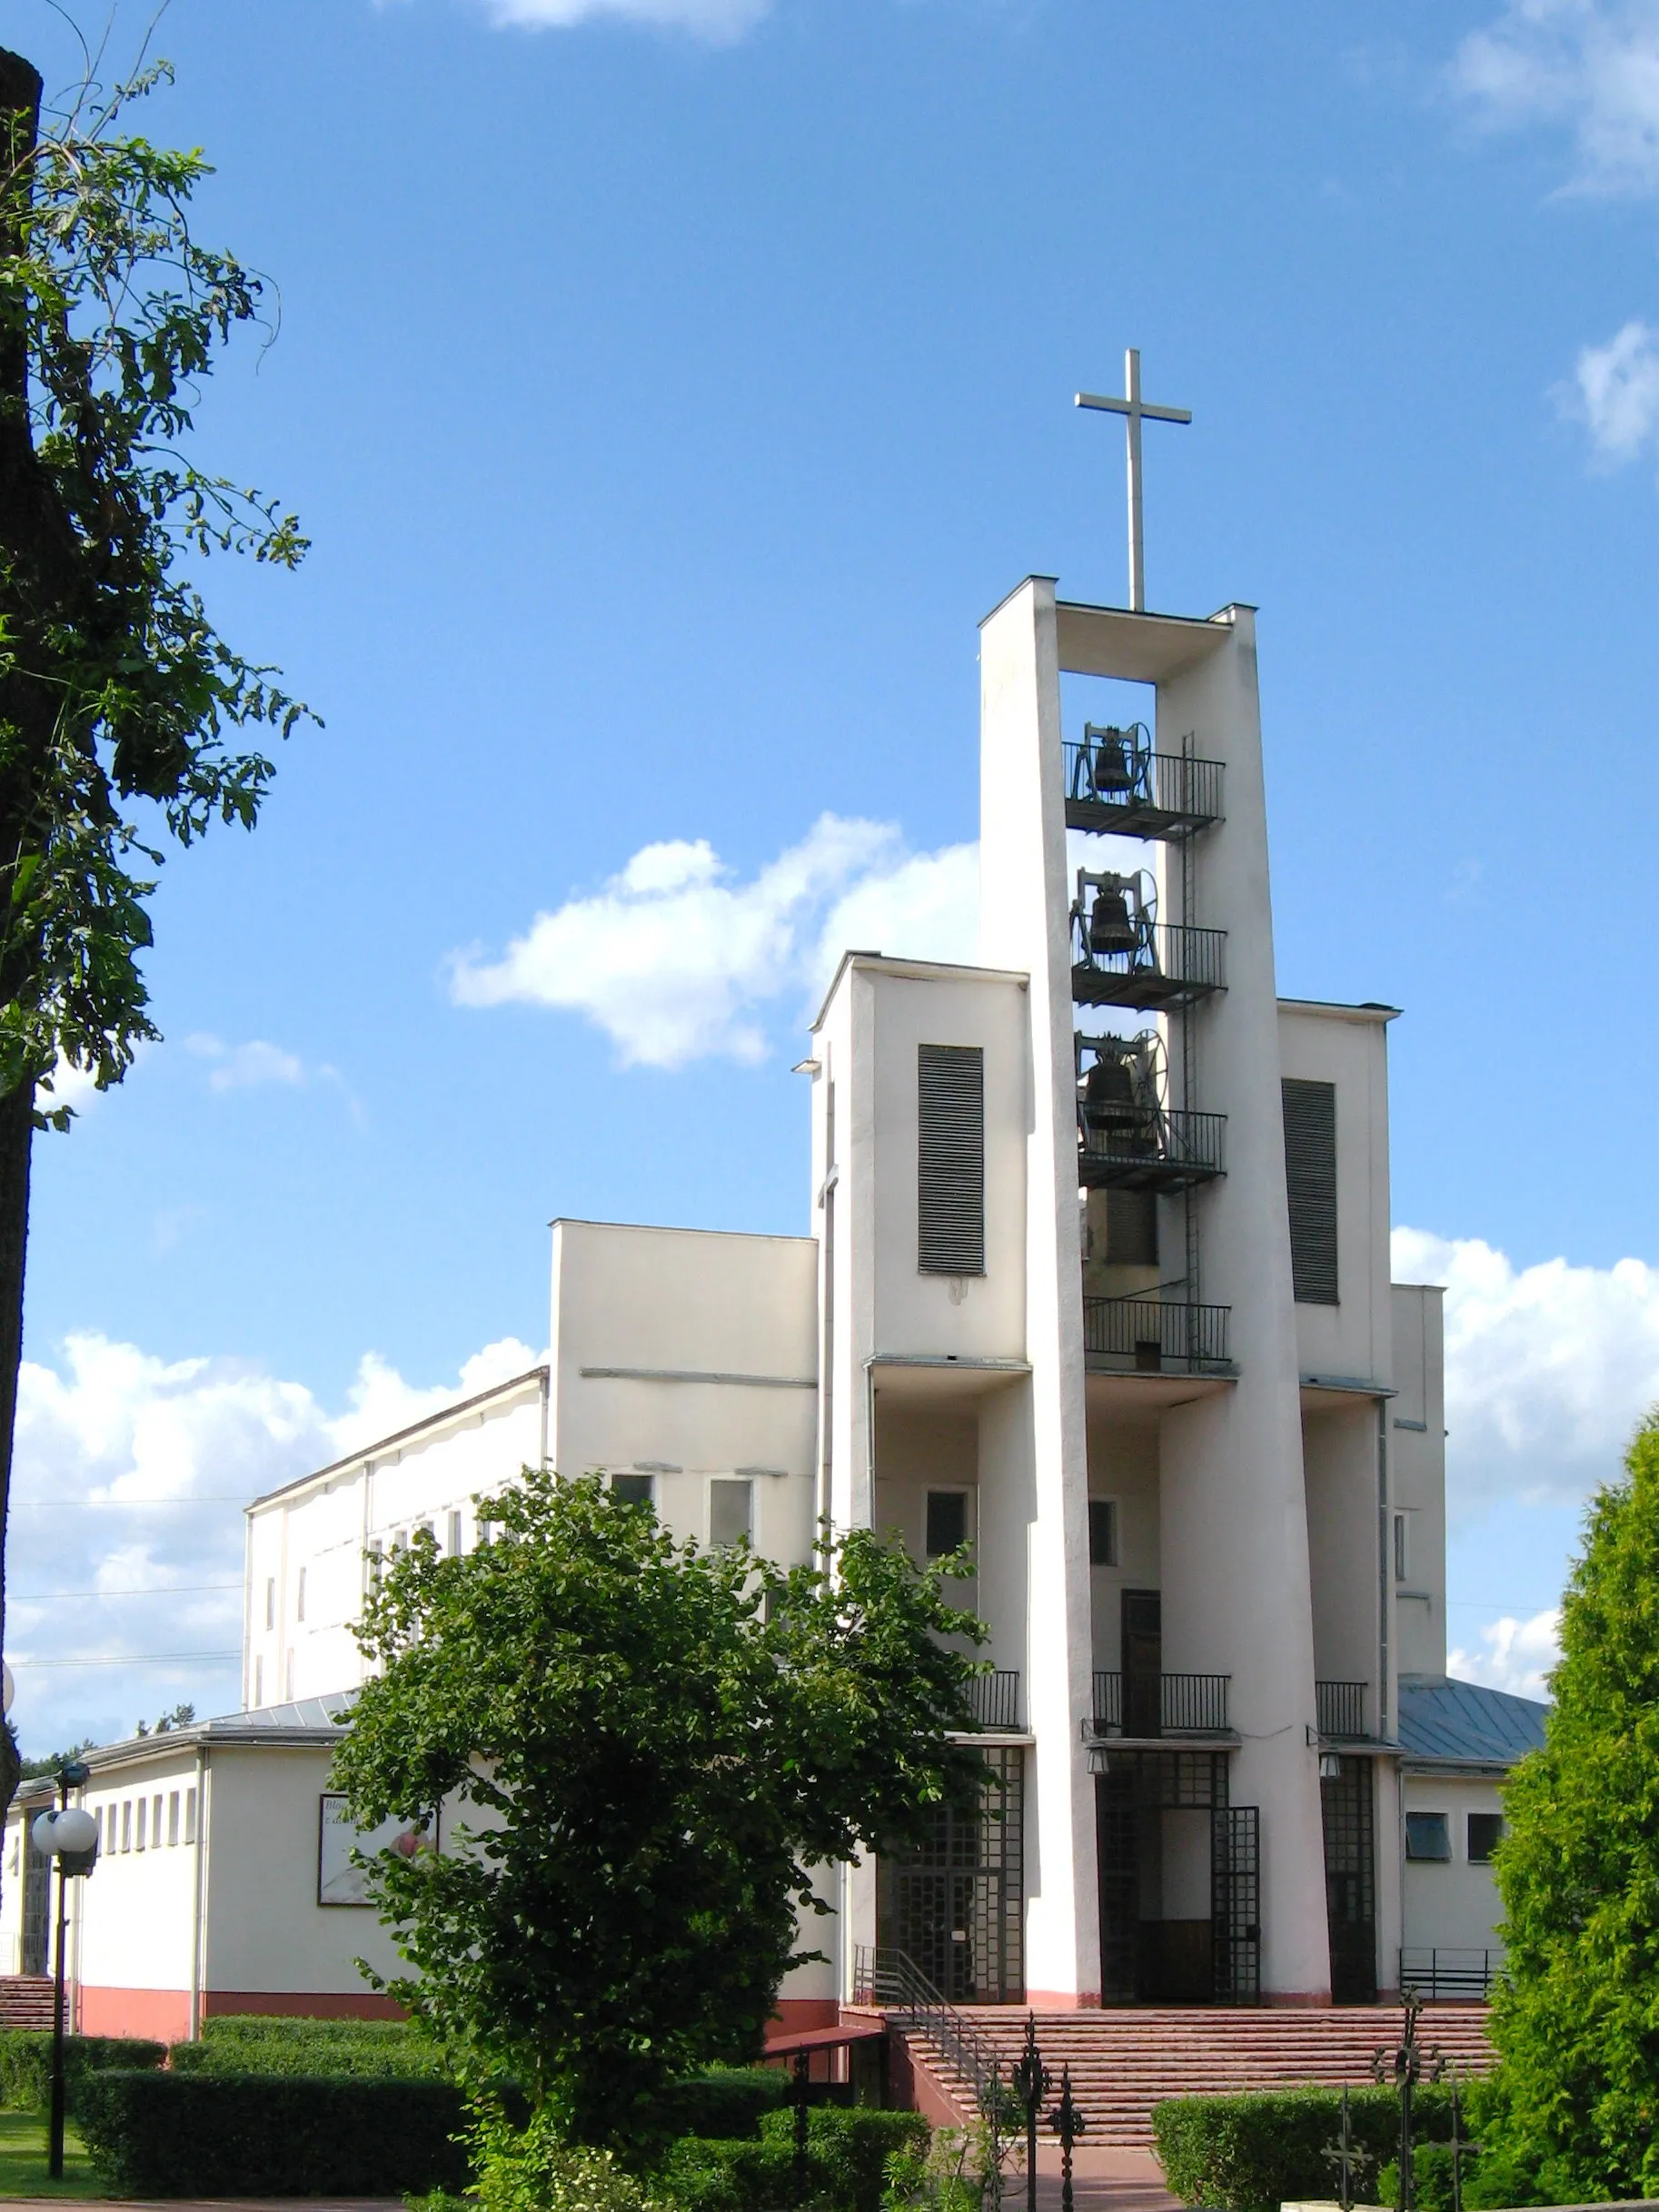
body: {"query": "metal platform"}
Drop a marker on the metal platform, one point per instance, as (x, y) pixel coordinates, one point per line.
(1169, 965)
(1169, 797)
(1157, 1151)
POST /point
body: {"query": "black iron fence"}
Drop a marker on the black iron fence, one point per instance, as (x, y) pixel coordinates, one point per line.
(1157, 1336)
(892, 1979)
(1342, 1709)
(1114, 786)
(1439, 1973)
(1160, 1704)
(995, 1698)
(1149, 1146)
(1167, 965)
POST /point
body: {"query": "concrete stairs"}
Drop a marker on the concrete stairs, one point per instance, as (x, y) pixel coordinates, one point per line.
(1124, 2062)
(25, 2000)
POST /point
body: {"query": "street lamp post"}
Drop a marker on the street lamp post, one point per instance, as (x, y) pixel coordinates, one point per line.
(69, 1835)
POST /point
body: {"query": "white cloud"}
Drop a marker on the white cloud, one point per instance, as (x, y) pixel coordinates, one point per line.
(1548, 1369)
(1590, 67)
(717, 21)
(1615, 394)
(245, 1067)
(677, 959)
(66, 1086)
(106, 1431)
(1517, 1655)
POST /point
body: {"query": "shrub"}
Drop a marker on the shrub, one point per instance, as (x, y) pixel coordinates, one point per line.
(25, 2063)
(951, 2176)
(723, 2101)
(244, 2135)
(534, 2169)
(847, 2153)
(1250, 2153)
(258, 2043)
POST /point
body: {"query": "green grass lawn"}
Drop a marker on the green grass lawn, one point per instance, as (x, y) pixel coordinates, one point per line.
(23, 2160)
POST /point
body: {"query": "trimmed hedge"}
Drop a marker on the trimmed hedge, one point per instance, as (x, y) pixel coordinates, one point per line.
(25, 2063)
(724, 2100)
(1250, 2153)
(846, 2156)
(271, 2043)
(255, 2134)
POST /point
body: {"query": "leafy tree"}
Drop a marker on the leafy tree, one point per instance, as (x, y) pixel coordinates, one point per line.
(180, 1716)
(116, 693)
(1575, 2100)
(652, 1747)
(36, 1770)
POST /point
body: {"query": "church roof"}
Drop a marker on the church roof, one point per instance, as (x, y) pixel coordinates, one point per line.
(1462, 1724)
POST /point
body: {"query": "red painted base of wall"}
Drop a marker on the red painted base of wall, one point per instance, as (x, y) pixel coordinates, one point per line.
(164, 2015)
(797, 2013)
(1060, 2000)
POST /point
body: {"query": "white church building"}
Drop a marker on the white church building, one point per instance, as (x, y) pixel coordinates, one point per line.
(1094, 1276)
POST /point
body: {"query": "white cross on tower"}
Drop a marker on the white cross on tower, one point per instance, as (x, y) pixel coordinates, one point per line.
(1133, 409)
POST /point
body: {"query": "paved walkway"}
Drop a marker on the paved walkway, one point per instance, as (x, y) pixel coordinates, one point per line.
(214, 2204)
(1103, 2179)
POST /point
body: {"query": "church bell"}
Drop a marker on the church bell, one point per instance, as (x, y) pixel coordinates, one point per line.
(1111, 767)
(1109, 927)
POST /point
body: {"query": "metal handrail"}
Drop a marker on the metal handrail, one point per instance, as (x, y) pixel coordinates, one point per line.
(1173, 1136)
(1168, 785)
(995, 1698)
(1341, 1709)
(1155, 1332)
(1186, 1704)
(892, 1979)
(1166, 951)
(1449, 1973)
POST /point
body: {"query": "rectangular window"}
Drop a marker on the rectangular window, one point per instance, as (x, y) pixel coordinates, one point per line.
(97, 1815)
(951, 1159)
(173, 1817)
(377, 1559)
(1102, 1532)
(632, 1489)
(190, 1816)
(947, 1521)
(259, 1681)
(288, 1677)
(139, 1838)
(271, 1602)
(155, 1821)
(1429, 1836)
(1402, 1557)
(126, 1823)
(1486, 1833)
(1310, 1180)
(730, 1511)
(299, 1597)
(454, 1535)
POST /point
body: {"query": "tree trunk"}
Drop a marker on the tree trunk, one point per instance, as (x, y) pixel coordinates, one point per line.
(17, 1145)
(20, 95)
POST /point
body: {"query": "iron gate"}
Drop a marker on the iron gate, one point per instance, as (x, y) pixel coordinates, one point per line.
(1236, 1904)
(1350, 1882)
(957, 1905)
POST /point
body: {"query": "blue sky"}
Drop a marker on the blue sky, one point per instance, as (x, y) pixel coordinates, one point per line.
(668, 388)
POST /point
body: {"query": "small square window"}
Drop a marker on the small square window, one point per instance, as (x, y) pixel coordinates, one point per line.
(1429, 1836)
(1102, 1532)
(947, 1521)
(637, 1490)
(1486, 1833)
(730, 1511)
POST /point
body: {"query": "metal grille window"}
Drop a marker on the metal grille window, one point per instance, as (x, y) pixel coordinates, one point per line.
(1310, 1177)
(956, 1904)
(951, 1159)
(947, 1521)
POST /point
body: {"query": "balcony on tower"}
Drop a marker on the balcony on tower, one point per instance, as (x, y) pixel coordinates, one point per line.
(1123, 955)
(1116, 783)
(1128, 1139)
(1164, 1333)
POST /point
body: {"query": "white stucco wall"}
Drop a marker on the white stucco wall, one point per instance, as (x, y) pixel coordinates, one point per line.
(1416, 1442)
(1452, 1905)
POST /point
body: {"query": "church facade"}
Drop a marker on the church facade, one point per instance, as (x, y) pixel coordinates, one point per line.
(1094, 1278)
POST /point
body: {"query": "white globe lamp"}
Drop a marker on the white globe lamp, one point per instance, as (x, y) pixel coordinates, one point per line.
(70, 1832)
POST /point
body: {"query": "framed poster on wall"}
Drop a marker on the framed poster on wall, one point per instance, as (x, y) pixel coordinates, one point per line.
(339, 1881)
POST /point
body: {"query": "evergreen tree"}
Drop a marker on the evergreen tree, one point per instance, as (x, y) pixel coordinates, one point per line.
(1577, 2023)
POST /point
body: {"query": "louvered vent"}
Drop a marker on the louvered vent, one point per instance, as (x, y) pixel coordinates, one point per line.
(951, 1159)
(1310, 1176)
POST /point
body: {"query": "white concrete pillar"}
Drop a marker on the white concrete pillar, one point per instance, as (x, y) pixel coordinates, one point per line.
(1038, 1430)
